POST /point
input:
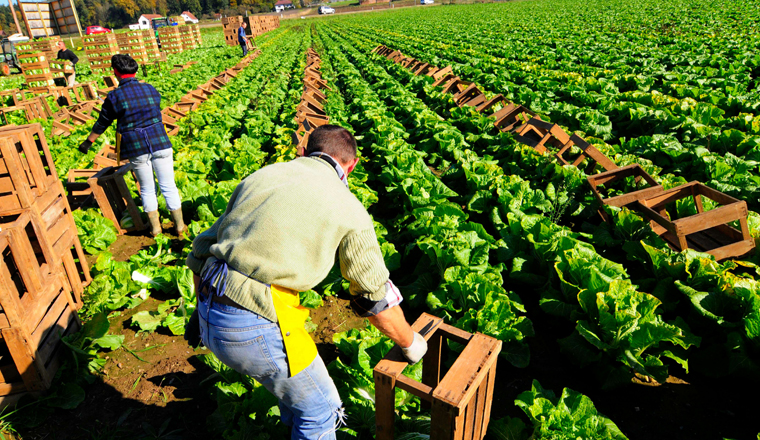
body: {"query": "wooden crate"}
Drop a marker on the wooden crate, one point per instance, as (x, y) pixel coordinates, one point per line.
(706, 231)
(470, 96)
(29, 267)
(26, 167)
(52, 231)
(52, 215)
(488, 104)
(30, 338)
(511, 115)
(633, 171)
(107, 157)
(109, 191)
(645, 183)
(460, 400)
(588, 154)
(540, 134)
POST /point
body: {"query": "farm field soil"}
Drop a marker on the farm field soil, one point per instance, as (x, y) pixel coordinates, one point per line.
(161, 379)
(170, 386)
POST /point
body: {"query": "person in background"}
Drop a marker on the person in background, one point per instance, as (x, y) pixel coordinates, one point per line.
(143, 140)
(66, 54)
(242, 39)
(280, 234)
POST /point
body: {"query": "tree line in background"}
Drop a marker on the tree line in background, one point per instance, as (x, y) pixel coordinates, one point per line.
(121, 13)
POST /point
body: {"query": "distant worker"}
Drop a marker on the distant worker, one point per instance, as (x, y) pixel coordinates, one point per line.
(141, 138)
(67, 54)
(242, 39)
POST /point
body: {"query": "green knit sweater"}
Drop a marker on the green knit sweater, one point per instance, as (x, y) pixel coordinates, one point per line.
(282, 226)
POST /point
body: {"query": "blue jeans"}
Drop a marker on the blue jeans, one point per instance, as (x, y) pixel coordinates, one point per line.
(253, 345)
(245, 47)
(162, 164)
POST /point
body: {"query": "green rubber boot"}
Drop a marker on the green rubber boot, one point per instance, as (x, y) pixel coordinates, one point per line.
(179, 223)
(155, 223)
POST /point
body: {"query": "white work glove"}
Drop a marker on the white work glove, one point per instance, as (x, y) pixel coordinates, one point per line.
(417, 350)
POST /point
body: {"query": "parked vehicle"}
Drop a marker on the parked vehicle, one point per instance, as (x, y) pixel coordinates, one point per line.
(326, 10)
(18, 38)
(426, 2)
(92, 30)
(163, 21)
(10, 60)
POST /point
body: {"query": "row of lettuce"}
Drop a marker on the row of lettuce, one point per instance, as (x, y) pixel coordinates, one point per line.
(461, 210)
(445, 266)
(691, 110)
(719, 300)
(247, 125)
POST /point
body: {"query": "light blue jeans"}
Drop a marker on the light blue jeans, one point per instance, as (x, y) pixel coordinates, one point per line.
(253, 345)
(162, 164)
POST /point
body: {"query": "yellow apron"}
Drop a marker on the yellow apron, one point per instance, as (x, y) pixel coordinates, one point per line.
(291, 317)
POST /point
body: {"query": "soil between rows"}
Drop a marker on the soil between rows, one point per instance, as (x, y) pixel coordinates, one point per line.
(164, 380)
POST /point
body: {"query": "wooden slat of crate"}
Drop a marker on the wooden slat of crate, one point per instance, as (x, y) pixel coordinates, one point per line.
(38, 162)
(36, 65)
(16, 182)
(113, 197)
(26, 312)
(633, 170)
(588, 153)
(694, 230)
(76, 271)
(461, 401)
(28, 268)
(35, 352)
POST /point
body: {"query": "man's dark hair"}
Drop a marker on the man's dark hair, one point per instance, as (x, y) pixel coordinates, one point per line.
(333, 140)
(124, 64)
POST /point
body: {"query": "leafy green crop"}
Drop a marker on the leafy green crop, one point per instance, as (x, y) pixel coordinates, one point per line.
(571, 416)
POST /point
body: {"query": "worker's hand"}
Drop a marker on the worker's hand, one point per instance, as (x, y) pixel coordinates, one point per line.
(85, 146)
(417, 350)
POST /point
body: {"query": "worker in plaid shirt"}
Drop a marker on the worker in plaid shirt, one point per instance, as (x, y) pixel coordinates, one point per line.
(141, 138)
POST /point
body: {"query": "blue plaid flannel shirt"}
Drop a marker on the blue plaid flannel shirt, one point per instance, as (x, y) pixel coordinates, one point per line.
(137, 108)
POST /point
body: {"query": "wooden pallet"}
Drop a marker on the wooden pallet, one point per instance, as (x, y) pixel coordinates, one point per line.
(109, 191)
(460, 400)
(706, 231)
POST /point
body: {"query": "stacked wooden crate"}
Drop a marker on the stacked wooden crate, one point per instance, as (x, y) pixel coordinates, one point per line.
(36, 69)
(262, 24)
(197, 33)
(187, 37)
(44, 271)
(231, 25)
(99, 49)
(170, 39)
(60, 68)
(48, 46)
(151, 44)
(131, 43)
